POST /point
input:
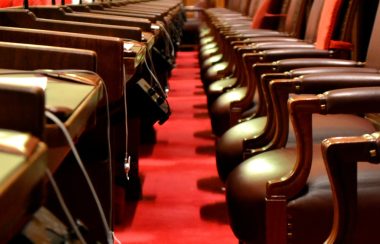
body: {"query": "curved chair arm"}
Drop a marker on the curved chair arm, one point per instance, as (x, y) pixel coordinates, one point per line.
(337, 69)
(301, 108)
(290, 64)
(364, 99)
(255, 76)
(249, 41)
(252, 145)
(341, 155)
(309, 84)
(278, 54)
(261, 46)
(261, 66)
(306, 66)
(253, 34)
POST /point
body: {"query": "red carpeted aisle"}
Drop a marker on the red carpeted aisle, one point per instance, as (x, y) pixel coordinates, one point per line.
(182, 198)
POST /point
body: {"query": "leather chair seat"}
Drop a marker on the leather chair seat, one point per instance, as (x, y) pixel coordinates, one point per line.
(212, 59)
(208, 45)
(215, 72)
(205, 50)
(218, 87)
(247, 114)
(246, 187)
(206, 39)
(220, 109)
(310, 214)
(229, 148)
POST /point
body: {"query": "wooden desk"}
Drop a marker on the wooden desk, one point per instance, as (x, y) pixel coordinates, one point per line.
(22, 170)
(82, 99)
(75, 96)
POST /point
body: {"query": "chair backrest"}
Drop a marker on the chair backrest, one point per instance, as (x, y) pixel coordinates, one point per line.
(373, 54)
(315, 16)
(362, 27)
(336, 23)
(266, 8)
(244, 6)
(326, 18)
(314, 13)
(294, 23)
(253, 6)
(233, 5)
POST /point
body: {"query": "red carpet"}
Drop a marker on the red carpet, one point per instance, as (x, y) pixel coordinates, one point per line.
(182, 198)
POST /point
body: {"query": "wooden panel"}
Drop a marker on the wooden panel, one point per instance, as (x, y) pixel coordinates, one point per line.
(10, 3)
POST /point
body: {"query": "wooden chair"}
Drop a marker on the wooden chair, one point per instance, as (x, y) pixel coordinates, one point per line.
(220, 109)
(290, 25)
(238, 140)
(271, 195)
(355, 195)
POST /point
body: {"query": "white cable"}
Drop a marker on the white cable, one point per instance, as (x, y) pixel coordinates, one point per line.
(154, 77)
(116, 239)
(109, 152)
(169, 38)
(108, 128)
(127, 158)
(56, 120)
(64, 206)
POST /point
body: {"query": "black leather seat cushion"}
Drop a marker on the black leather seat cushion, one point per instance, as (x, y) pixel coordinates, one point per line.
(310, 214)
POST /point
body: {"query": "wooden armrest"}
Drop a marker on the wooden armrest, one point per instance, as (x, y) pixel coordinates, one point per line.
(260, 67)
(278, 54)
(341, 156)
(252, 145)
(318, 83)
(351, 100)
(260, 46)
(290, 65)
(254, 34)
(252, 41)
(310, 84)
